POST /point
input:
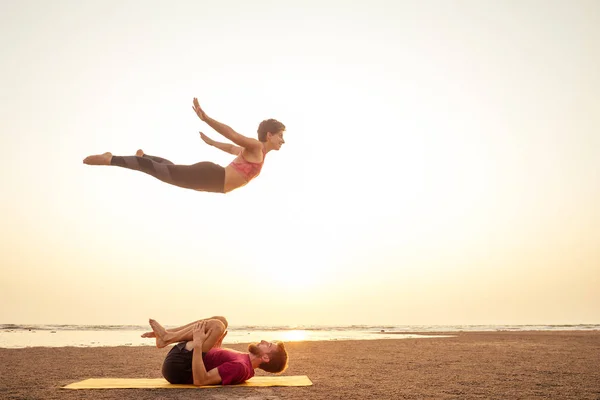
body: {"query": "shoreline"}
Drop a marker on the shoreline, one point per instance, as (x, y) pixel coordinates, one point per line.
(541, 364)
(90, 340)
(436, 333)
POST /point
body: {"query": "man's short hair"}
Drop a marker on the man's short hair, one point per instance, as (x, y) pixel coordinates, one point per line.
(278, 360)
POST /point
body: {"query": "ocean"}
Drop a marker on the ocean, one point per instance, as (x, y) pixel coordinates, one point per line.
(22, 336)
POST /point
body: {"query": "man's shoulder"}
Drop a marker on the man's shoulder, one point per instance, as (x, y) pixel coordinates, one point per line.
(223, 350)
(222, 355)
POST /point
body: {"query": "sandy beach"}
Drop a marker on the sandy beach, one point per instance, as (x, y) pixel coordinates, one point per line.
(507, 365)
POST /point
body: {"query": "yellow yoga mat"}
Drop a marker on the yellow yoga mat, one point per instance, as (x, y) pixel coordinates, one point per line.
(160, 383)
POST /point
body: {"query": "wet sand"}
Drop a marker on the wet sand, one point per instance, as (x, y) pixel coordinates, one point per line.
(482, 365)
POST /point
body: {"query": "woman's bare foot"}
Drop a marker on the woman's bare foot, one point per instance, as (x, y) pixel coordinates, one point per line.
(139, 153)
(98, 159)
(149, 335)
(160, 333)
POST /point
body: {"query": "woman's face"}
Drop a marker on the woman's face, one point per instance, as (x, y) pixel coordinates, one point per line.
(276, 139)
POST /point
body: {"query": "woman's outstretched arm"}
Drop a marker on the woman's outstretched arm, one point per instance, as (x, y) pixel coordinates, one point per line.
(226, 147)
(226, 130)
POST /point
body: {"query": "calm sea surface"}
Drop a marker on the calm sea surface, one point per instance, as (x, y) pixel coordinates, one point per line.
(20, 336)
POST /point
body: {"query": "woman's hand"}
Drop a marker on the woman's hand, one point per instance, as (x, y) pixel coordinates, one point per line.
(206, 139)
(199, 112)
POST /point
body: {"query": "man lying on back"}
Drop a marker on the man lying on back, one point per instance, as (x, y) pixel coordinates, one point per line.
(199, 359)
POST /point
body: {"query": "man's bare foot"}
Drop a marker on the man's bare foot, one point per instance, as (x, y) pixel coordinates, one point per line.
(149, 335)
(139, 153)
(98, 159)
(159, 332)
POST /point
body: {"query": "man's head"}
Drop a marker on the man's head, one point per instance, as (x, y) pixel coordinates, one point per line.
(272, 354)
(271, 130)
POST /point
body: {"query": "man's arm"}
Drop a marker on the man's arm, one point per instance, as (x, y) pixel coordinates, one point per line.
(226, 147)
(205, 378)
(226, 130)
(199, 373)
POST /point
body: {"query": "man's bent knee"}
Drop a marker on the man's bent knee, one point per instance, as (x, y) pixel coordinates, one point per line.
(217, 326)
(222, 319)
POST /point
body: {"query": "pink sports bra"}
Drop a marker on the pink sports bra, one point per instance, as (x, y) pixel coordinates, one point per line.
(249, 170)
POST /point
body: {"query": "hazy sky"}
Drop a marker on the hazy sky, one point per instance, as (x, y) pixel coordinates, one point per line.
(441, 163)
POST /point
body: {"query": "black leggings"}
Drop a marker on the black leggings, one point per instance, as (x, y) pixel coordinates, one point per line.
(204, 176)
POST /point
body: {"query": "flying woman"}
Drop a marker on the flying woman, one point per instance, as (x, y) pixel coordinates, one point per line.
(207, 176)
